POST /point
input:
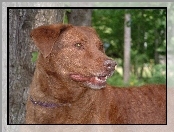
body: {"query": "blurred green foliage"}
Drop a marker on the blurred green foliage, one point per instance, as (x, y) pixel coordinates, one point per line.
(34, 56)
(148, 44)
(65, 17)
(155, 75)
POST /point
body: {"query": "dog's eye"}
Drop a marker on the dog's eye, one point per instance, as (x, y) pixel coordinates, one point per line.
(79, 45)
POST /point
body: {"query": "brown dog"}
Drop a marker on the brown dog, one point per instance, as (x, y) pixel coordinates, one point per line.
(69, 84)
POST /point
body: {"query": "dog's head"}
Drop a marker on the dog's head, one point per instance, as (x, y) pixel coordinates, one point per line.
(74, 53)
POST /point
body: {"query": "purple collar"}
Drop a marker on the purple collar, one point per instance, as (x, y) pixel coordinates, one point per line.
(48, 105)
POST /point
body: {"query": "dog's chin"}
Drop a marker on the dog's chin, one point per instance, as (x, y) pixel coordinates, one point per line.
(95, 86)
(93, 82)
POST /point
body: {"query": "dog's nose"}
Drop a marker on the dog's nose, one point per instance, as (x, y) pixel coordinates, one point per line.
(110, 65)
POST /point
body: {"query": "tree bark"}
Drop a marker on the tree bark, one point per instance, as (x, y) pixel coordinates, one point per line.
(156, 55)
(21, 69)
(127, 41)
(80, 17)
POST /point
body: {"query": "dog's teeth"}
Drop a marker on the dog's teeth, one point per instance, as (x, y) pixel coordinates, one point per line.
(103, 79)
(97, 78)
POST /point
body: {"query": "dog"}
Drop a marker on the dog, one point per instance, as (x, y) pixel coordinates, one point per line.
(69, 84)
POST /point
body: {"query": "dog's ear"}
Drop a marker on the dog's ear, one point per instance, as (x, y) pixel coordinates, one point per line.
(45, 37)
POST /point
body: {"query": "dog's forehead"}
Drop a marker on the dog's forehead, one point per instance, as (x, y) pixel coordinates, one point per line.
(81, 32)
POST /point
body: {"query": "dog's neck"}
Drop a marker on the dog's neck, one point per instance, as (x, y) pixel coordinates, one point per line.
(50, 88)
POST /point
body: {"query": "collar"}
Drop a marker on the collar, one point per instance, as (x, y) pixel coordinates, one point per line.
(48, 105)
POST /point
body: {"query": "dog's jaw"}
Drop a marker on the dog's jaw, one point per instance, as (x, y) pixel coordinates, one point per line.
(93, 82)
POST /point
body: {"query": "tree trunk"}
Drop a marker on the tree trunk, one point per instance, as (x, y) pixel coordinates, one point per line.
(21, 69)
(156, 55)
(80, 17)
(127, 41)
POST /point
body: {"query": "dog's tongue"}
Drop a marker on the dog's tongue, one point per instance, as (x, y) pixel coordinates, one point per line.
(94, 80)
(77, 77)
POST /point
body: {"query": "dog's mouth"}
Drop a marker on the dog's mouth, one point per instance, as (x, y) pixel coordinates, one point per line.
(95, 82)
